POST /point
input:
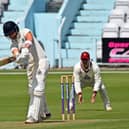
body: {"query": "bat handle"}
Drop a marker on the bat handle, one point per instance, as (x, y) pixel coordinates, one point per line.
(12, 59)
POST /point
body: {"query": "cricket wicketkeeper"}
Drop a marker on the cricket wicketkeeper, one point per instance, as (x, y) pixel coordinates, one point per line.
(27, 50)
(87, 73)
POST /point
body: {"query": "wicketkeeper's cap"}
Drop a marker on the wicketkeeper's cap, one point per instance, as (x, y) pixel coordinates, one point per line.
(85, 56)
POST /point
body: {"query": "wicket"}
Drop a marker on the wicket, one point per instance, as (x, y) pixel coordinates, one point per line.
(66, 81)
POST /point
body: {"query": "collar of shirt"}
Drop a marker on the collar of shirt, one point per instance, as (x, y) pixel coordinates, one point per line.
(85, 69)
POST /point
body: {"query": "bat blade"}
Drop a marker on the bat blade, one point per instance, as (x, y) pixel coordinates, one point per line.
(6, 60)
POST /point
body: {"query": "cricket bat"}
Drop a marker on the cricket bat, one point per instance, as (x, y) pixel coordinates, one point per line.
(6, 60)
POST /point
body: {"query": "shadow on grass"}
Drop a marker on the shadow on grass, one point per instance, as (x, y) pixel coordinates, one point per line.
(91, 110)
(53, 121)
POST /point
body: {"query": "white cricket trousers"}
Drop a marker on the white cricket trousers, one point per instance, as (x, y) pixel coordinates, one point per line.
(36, 75)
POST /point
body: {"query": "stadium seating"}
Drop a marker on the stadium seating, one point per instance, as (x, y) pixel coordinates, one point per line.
(87, 26)
(84, 30)
(97, 5)
(122, 4)
(117, 16)
(15, 15)
(127, 17)
(80, 32)
(5, 4)
(124, 30)
(18, 5)
(110, 30)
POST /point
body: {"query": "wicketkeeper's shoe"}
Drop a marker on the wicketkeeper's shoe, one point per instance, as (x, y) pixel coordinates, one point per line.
(108, 108)
(31, 121)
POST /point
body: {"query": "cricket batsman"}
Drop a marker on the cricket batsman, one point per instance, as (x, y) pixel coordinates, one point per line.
(28, 51)
(87, 73)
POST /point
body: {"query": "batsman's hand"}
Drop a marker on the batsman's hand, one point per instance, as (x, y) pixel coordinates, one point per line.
(80, 98)
(93, 97)
(22, 58)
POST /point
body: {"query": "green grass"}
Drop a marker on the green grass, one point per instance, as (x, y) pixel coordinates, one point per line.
(14, 102)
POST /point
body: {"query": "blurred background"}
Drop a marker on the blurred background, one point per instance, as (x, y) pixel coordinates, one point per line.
(68, 27)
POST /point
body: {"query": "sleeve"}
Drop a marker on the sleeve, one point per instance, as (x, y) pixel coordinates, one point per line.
(97, 77)
(77, 82)
(28, 38)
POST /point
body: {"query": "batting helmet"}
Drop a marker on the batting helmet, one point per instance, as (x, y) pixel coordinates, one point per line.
(10, 27)
(85, 56)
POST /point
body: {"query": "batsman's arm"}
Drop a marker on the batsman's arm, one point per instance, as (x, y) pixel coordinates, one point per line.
(6, 60)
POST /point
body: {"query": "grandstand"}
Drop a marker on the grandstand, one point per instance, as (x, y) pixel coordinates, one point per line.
(77, 27)
(67, 28)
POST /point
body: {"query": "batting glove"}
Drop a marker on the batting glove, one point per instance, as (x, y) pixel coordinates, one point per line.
(22, 58)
